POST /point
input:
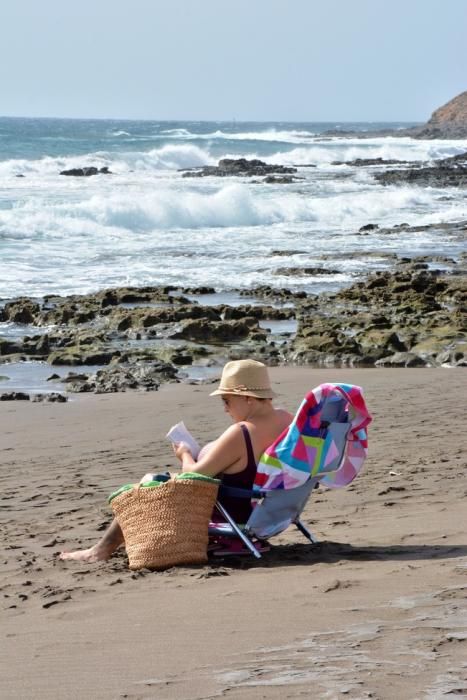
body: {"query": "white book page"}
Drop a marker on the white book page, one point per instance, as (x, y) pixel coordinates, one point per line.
(180, 433)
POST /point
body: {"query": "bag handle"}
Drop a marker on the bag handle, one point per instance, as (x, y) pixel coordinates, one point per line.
(137, 487)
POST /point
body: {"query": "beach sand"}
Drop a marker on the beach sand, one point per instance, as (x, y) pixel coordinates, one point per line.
(378, 609)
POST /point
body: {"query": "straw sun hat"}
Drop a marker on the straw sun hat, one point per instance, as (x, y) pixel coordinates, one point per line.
(245, 378)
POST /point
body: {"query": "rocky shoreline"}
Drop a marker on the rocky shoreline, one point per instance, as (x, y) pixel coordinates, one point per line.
(446, 122)
(413, 315)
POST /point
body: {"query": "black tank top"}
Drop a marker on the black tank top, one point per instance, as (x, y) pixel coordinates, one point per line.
(240, 508)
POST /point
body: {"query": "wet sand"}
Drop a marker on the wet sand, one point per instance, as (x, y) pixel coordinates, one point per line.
(378, 609)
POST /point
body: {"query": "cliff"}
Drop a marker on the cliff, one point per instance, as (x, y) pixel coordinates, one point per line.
(446, 122)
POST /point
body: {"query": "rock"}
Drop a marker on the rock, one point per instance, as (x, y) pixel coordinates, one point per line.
(69, 311)
(21, 310)
(376, 343)
(123, 319)
(288, 253)
(264, 313)
(360, 162)
(52, 397)
(217, 331)
(73, 377)
(368, 227)
(393, 318)
(306, 271)
(240, 167)
(448, 121)
(199, 290)
(147, 377)
(76, 355)
(14, 396)
(282, 180)
(266, 292)
(401, 359)
(9, 347)
(435, 176)
(86, 171)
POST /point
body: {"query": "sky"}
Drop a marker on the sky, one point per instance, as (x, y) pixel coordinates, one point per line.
(259, 60)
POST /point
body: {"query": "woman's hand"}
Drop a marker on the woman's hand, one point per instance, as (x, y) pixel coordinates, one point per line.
(180, 449)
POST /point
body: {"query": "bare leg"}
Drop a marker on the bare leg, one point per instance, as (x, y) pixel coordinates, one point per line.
(112, 539)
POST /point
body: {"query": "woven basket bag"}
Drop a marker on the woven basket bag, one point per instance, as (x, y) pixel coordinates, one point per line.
(168, 524)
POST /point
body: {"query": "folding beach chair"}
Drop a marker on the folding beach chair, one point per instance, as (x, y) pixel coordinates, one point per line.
(326, 443)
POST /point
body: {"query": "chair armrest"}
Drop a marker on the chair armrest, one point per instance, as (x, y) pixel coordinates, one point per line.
(235, 492)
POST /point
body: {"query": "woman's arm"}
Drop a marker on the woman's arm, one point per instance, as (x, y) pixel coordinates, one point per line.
(226, 450)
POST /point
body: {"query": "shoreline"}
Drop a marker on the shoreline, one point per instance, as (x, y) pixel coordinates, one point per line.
(410, 313)
(378, 607)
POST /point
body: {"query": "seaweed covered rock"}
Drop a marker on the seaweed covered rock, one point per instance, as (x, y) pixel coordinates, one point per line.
(407, 317)
(138, 376)
(217, 331)
(240, 167)
(21, 310)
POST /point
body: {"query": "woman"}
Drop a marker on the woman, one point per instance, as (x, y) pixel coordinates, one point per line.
(246, 392)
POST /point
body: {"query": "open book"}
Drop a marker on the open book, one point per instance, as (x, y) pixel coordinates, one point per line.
(180, 433)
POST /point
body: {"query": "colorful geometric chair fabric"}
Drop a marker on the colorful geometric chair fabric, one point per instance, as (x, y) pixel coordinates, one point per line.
(326, 439)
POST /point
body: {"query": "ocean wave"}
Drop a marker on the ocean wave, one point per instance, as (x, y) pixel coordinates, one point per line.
(169, 157)
(172, 157)
(234, 205)
(178, 132)
(49, 166)
(349, 149)
(270, 135)
(186, 155)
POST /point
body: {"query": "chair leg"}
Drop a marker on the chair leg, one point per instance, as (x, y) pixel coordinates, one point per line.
(246, 541)
(298, 523)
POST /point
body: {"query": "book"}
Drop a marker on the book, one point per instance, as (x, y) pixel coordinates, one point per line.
(180, 433)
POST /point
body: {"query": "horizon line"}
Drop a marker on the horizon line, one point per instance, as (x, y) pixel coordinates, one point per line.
(233, 120)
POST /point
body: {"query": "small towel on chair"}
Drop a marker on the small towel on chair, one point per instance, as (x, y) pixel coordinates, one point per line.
(321, 441)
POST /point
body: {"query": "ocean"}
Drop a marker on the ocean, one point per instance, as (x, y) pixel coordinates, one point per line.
(146, 225)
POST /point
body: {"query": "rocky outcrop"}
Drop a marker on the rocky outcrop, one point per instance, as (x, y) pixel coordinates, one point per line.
(410, 317)
(281, 179)
(14, 396)
(363, 162)
(239, 167)
(447, 172)
(147, 377)
(446, 122)
(86, 171)
(314, 271)
(219, 331)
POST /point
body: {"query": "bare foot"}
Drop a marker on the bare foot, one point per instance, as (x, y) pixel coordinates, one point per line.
(87, 555)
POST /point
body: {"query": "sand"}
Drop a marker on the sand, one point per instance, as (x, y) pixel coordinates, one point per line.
(378, 609)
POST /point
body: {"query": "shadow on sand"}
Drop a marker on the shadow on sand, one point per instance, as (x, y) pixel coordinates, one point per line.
(330, 552)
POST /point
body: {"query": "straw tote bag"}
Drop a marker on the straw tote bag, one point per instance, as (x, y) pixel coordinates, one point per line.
(166, 523)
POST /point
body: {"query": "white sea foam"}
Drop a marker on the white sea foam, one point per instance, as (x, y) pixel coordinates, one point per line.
(147, 224)
(389, 148)
(272, 135)
(184, 155)
(169, 157)
(233, 205)
(172, 157)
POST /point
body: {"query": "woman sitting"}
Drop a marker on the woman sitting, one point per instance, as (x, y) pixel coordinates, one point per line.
(246, 392)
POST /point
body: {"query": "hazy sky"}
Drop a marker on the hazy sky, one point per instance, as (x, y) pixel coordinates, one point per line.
(309, 60)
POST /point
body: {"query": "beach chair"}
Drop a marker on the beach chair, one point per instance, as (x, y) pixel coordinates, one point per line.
(326, 444)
